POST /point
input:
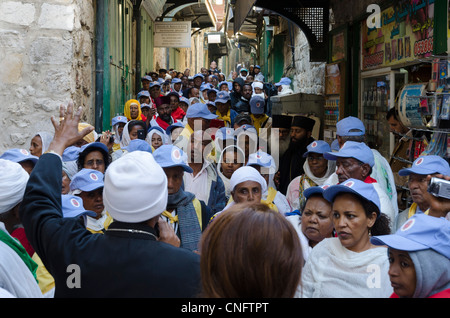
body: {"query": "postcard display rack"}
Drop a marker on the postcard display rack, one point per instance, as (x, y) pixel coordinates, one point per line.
(334, 99)
(425, 109)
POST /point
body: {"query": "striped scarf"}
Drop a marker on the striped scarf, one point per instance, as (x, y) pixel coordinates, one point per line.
(188, 223)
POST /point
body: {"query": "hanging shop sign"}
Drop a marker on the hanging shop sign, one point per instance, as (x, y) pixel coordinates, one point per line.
(405, 34)
(172, 34)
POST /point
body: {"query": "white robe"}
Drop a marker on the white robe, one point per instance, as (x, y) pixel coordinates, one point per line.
(333, 271)
(15, 277)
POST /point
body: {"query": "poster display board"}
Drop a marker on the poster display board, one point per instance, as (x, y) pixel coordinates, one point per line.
(405, 34)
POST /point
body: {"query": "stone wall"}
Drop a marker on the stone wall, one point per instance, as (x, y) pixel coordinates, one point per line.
(307, 77)
(46, 59)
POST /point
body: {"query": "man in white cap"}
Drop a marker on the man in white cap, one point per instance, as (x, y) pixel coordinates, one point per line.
(17, 269)
(131, 259)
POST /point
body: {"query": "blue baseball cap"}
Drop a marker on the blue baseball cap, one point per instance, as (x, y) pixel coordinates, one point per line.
(19, 155)
(168, 156)
(335, 145)
(317, 146)
(257, 66)
(99, 145)
(138, 145)
(72, 206)
(205, 87)
(143, 93)
(284, 81)
(358, 187)
(259, 158)
(213, 90)
(145, 105)
(156, 83)
(243, 70)
(173, 126)
(198, 75)
(176, 80)
(425, 165)
(316, 189)
(199, 110)
(350, 126)
(156, 128)
(257, 104)
(223, 97)
(146, 78)
(225, 133)
(71, 153)
(119, 119)
(87, 180)
(353, 149)
(210, 103)
(262, 159)
(419, 232)
(244, 128)
(184, 100)
(223, 83)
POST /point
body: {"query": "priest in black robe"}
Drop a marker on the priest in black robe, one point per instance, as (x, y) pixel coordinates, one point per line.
(291, 163)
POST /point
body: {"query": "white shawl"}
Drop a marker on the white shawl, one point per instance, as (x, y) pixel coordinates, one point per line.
(333, 271)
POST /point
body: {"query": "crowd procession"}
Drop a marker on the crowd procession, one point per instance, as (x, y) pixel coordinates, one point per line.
(199, 190)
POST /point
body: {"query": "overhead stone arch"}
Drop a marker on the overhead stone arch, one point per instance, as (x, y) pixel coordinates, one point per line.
(311, 16)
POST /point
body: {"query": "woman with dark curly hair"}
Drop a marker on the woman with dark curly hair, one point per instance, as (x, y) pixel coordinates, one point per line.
(94, 156)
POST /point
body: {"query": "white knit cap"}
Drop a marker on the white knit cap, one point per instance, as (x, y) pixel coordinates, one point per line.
(13, 181)
(135, 188)
(247, 173)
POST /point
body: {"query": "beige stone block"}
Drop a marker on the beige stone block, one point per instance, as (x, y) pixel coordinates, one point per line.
(56, 17)
(17, 12)
(11, 68)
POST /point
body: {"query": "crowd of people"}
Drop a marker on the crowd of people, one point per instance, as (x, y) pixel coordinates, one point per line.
(198, 190)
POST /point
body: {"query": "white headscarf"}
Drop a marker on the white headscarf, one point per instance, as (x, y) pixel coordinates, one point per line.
(13, 180)
(46, 139)
(165, 139)
(320, 181)
(125, 136)
(247, 173)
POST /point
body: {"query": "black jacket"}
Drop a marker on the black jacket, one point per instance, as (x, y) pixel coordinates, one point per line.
(114, 264)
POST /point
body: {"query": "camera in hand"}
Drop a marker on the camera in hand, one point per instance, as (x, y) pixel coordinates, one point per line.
(439, 188)
(141, 134)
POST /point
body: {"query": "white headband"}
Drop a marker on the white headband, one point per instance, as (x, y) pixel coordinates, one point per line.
(247, 173)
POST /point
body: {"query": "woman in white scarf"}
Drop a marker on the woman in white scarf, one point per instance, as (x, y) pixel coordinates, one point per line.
(40, 143)
(241, 175)
(317, 170)
(154, 141)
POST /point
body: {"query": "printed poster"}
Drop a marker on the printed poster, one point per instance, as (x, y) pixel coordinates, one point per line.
(406, 34)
